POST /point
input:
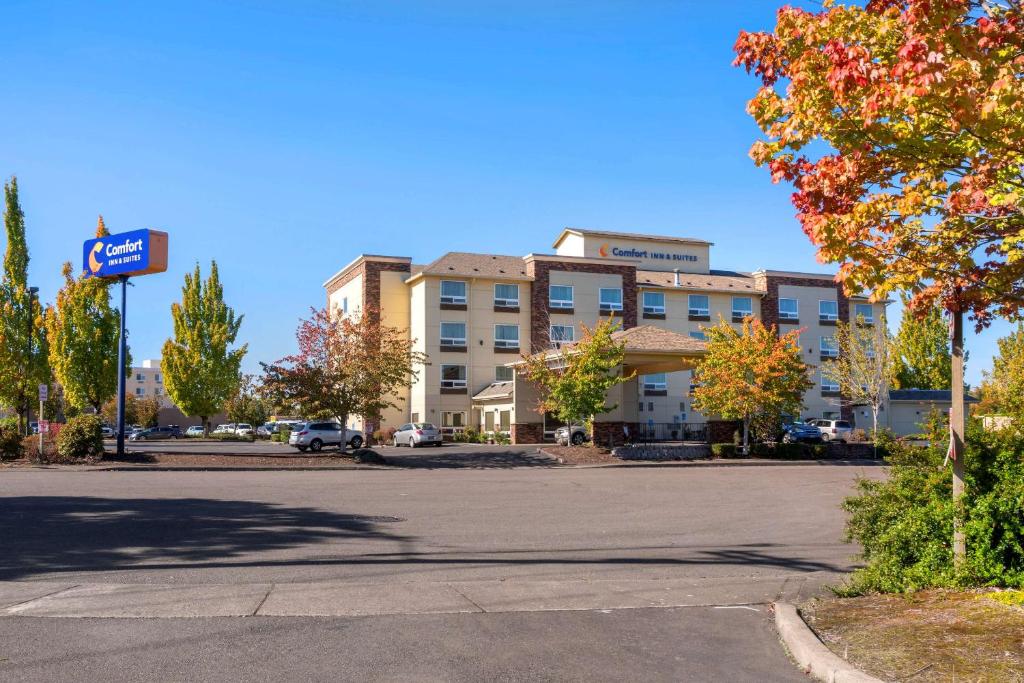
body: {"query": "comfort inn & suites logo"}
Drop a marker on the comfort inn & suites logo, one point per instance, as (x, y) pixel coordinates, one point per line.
(95, 265)
(603, 250)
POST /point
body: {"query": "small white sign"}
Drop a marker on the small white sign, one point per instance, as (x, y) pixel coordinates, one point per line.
(43, 392)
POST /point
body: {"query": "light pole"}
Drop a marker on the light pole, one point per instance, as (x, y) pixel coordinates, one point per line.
(32, 291)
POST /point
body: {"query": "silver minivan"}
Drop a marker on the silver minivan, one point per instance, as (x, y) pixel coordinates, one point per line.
(834, 430)
(416, 434)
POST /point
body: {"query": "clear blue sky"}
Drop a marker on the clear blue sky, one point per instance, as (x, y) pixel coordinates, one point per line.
(284, 138)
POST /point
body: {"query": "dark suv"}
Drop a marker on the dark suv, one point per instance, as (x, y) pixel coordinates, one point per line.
(156, 433)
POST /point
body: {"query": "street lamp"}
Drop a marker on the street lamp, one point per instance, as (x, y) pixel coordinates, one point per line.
(32, 291)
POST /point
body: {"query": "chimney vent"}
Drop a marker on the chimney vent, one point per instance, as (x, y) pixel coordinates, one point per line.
(676, 271)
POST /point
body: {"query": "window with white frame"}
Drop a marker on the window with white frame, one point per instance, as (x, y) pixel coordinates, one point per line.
(139, 377)
(865, 313)
(697, 334)
(561, 334)
(453, 292)
(506, 295)
(344, 304)
(789, 309)
(453, 334)
(655, 382)
(654, 302)
(829, 347)
(698, 305)
(453, 376)
(140, 391)
(828, 383)
(610, 298)
(506, 336)
(828, 311)
(560, 296)
(157, 379)
(503, 373)
(742, 307)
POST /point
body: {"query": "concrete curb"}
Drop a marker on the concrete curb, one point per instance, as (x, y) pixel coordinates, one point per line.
(810, 653)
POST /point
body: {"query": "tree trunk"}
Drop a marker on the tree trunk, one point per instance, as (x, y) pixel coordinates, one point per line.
(746, 436)
(344, 433)
(956, 427)
(206, 426)
(874, 430)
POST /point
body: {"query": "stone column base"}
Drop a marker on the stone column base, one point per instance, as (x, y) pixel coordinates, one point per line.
(527, 432)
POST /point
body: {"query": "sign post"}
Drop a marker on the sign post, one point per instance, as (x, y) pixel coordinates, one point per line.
(121, 256)
(43, 394)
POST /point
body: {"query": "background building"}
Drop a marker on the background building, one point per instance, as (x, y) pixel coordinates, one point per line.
(473, 314)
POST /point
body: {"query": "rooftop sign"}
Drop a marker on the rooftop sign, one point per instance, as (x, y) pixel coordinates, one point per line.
(127, 254)
(605, 251)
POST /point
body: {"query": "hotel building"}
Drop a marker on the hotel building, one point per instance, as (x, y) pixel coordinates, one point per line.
(474, 314)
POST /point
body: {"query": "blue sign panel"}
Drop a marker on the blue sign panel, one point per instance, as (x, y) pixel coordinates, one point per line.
(138, 252)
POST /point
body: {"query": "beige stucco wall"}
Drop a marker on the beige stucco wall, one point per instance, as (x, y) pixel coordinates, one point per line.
(907, 418)
(417, 323)
(586, 297)
(688, 258)
(353, 291)
(815, 405)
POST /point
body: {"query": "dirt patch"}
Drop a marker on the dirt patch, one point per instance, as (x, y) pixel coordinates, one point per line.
(925, 636)
(581, 455)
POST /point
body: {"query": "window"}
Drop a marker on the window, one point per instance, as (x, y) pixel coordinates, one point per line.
(830, 415)
(560, 296)
(503, 374)
(561, 334)
(682, 406)
(453, 334)
(489, 421)
(828, 311)
(139, 377)
(506, 336)
(698, 335)
(453, 376)
(610, 299)
(742, 307)
(865, 311)
(453, 419)
(641, 406)
(140, 391)
(699, 305)
(506, 295)
(156, 378)
(344, 304)
(656, 382)
(828, 384)
(654, 302)
(829, 347)
(453, 292)
(650, 406)
(158, 391)
(505, 420)
(789, 309)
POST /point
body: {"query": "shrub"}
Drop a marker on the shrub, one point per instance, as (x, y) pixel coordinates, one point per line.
(503, 438)
(726, 450)
(81, 438)
(383, 436)
(10, 442)
(905, 524)
(30, 445)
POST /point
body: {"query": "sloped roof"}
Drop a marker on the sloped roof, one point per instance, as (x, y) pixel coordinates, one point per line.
(478, 265)
(935, 395)
(650, 339)
(629, 235)
(494, 390)
(717, 280)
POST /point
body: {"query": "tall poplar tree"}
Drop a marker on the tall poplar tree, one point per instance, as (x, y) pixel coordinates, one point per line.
(201, 371)
(23, 362)
(923, 356)
(84, 333)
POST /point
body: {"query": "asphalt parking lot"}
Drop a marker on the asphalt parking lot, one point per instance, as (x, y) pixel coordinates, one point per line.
(433, 574)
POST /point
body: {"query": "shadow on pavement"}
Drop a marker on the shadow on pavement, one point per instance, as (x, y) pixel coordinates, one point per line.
(42, 534)
(482, 458)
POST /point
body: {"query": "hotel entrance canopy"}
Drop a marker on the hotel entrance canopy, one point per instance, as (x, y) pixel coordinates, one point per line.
(648, 350)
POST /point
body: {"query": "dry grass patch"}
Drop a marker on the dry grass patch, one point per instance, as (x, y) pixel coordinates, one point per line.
(581, 455)
(927, 636)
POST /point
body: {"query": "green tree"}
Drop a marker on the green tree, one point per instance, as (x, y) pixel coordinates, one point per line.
(248, 404)
(923, 355)
(23, 361)
(574, 384)
(1006, 381)
(201, 369)
(84, 333)
(750, 373)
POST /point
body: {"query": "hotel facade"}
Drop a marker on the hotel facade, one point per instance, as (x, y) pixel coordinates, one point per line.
(473, 315)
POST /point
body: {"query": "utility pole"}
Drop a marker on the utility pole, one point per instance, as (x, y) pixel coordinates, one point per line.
(32, 291)
(956, 430)
(122, 354)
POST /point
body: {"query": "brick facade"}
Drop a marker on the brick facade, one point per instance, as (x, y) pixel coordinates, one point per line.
(723, 431)
(540, 314)
(608, 434)
(527, 432)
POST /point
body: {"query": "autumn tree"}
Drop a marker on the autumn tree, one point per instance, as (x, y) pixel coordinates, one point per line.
(1005, 383)
(899, 126)
(865, 367)
(23, 358)
(749, 373)
(200, 363)
(574, 384)
(923, 358)
(84, 333)
(345, 365)
(131, 416)
(248, 405)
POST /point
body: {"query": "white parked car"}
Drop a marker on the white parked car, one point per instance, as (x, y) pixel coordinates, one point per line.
(315, 435)
(834, 430)
(194, 430)
(243, 429)
(108, 432)
(225, 429)
(417, 434)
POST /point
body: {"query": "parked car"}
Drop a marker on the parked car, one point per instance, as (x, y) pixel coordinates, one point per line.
(108, 432)
(243, 429)
(795, 432)
(315, 435)
(834, 430)
(194, 430)
(34, 426)
(157, 433)
(225, 429)
(416, 434)
(575, 435)
(265, 431)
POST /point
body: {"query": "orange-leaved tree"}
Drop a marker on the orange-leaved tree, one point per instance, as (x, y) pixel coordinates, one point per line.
(750, 373)
(901, 126)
